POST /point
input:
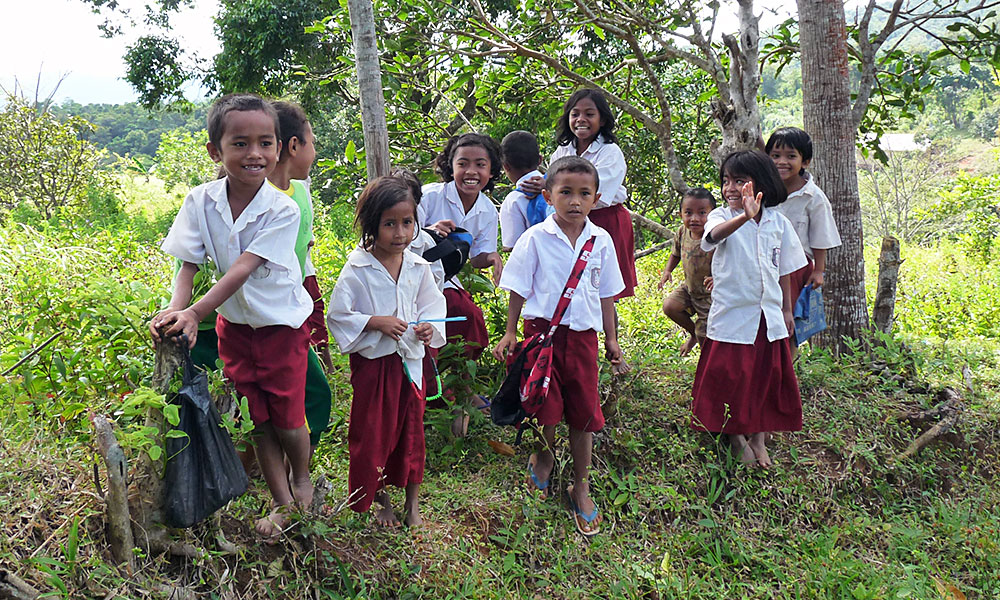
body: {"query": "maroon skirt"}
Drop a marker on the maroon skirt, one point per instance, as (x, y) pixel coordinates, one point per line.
(617, 222)
(744, 388)
(797, 279)
(471, 331)
(385, 436)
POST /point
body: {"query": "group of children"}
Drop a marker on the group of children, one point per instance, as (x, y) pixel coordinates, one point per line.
(392, 310)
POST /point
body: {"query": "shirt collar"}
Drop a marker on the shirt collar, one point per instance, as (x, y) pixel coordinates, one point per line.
(550, 227)
(807, 189)
(595, 145)
(359, 257)
(535, 173)
(262, 201)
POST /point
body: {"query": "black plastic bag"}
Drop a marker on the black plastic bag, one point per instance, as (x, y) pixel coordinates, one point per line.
(203, 470)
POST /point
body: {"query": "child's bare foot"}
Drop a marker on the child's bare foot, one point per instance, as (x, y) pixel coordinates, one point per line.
(385, 516)
(481, 404)
(621, 368)
(756, 444)
(742, 449)
(460, 426)
(302, 492)
(689, 345)
(273, 525)
(586, 517)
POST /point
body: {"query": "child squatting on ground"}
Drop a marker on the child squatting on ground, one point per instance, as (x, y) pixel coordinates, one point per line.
(385, 308)
(249, 229)
(745, 385)
(694, 296)
(535, 276)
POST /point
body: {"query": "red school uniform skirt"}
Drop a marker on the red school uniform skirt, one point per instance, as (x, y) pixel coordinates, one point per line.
(471, 331)
(385, 437)
(617, 221)
(746, 388)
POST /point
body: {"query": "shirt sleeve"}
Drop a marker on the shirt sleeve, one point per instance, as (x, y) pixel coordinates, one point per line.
(610, 163)
(520, 268)
(792, 258)
(823, 232)
(184, 241)
(612, 282)
(512, 223)
(275, 241)
(484, 241)
(715, 218)
(345, 322)
(676, 250)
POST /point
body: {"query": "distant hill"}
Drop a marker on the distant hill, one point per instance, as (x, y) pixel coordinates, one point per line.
(129, 128)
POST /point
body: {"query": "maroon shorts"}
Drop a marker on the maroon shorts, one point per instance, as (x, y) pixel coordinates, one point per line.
(316, 322)
(267, 365)
(746, 388)
(797, 279)
(471, 331)
(385, 436)
(573, 386)
(617, 221)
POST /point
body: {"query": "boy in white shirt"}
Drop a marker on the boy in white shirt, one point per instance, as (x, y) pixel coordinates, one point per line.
(248, 229)
(520, 157)
(535, 276)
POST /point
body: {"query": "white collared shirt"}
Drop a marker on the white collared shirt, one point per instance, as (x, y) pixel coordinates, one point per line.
(811, 216)
(514, 213)
(441, 201)
(365, 289)
(541, 262)
(267, 227)
(746, 268)
(422, 243)
(610, 163)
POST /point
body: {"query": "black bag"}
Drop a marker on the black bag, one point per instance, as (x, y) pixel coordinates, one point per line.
(452, 250)
(506, 407)
(203, 471)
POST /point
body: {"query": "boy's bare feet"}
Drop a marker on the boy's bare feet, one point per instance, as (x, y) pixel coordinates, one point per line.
(273, 525)
(385, 516)
(411, 507)
(621, 368)
(756, 444)
(741, 448)
(689, 345)
(302, 492)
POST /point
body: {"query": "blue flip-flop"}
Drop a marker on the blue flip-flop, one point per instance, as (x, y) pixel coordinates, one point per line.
(588, 518)
(541, 486)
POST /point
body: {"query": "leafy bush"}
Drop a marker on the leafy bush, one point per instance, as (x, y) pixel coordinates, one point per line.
(182, 161)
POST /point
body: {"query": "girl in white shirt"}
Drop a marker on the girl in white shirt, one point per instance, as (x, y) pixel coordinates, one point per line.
(745, 385)
(384, 310)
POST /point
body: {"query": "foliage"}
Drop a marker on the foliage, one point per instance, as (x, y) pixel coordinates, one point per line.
(44, 163)
(182, 161)
(975, 199)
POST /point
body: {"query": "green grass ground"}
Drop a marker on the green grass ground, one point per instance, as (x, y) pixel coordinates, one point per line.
(837, 517)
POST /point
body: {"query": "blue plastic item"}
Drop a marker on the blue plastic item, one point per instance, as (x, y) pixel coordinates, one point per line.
(810, 318)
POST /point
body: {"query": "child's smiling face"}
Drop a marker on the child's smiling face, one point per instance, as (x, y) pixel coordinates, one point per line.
(732, 189)
(585, 121)
(789, 162)
(248, 149)
(471, 167)
(694, 213)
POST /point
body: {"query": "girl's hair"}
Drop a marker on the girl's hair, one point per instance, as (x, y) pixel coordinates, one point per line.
(216, 120)
(410, 179)
(442, 164)
(759, 167)
(292, 120)
(379, 196)
(791, 137)
(699, 193)
(566, 136)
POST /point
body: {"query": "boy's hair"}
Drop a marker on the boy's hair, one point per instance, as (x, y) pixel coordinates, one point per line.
(216, 120)
(519, 150)
(571, 164)
(791, 137)
(379, 196)
(566, 136)
(410, 179)
(292, 120)
(699, 193)
(759, 167)
(442, 164)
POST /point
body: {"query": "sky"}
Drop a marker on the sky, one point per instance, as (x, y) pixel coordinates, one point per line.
(52, 38)
(60, 37)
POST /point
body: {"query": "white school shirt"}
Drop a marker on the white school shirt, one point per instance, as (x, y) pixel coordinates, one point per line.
(267, 227)
(610, 163)
(365, 289)
(441, 201)
(422, 243)
(540, 264)
(746, 268)
(514, 212)
(811, 215)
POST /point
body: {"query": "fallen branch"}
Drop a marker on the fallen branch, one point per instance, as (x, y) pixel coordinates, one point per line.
(652, 249)
(13, 587)
(33, 352)
(652, 226)
(949, 410)
(116, 500)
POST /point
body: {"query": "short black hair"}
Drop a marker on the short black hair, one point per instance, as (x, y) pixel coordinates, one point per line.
(216, 120)
(442, 164)
(379, 195)
(791, 137)
(409, 178)
(292, 120)
(571, 164)
(519, 149)
(565, 135)
(755, 165)
(699, 193)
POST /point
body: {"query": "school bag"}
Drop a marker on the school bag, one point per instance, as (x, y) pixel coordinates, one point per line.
(808, 313)
(452, 250)
(529, 365)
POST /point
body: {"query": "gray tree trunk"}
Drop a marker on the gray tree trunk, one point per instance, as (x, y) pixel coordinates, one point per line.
(888, 275)
(370, 87)
(826, 104)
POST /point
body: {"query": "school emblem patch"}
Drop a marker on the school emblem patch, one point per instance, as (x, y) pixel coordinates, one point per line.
(595, 278)
(775, 255)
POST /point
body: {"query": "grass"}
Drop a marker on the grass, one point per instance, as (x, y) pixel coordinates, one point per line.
(837, 517)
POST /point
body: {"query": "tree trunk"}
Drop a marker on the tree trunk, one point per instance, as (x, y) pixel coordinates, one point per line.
(888, 274)
(826, 108)
(370, 87)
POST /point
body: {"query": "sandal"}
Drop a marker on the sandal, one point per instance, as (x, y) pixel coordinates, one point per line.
(585, 522)
(541, 486)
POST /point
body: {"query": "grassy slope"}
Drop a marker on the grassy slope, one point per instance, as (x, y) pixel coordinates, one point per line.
(835, 519)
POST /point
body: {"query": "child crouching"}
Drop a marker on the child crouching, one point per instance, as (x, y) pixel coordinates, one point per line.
(385, 308)
(536, 273)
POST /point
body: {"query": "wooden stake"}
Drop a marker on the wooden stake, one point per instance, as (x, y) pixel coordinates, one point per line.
(116, 500)
(888, 275)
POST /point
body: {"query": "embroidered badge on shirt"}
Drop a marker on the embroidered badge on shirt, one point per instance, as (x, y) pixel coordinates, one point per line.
(595, 277)
(775, 255)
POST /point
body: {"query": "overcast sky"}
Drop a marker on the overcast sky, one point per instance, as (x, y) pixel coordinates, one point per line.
(60, 37)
